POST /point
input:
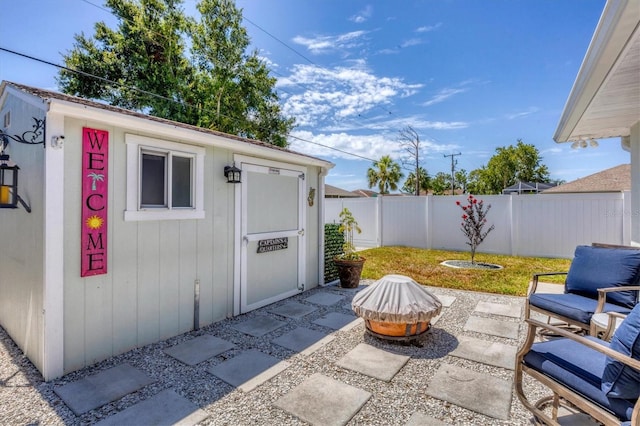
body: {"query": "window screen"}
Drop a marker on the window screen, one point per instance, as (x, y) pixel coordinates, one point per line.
(153, 178)
(181, 180)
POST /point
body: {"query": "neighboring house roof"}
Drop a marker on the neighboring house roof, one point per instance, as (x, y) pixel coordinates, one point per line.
(365, 193)
(527, 187)
(615, 179)
(605, 99)
(48, 96)
(335, 192)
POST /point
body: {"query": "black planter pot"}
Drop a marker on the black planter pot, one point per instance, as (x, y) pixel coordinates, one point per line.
(349, 272)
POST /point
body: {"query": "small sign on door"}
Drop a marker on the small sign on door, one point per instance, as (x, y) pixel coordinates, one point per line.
(273, 244)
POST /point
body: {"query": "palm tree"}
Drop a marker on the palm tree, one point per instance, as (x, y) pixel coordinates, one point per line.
(385, 173)
(95, 177)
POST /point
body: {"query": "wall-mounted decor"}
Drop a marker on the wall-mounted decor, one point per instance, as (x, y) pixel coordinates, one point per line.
(95, 183)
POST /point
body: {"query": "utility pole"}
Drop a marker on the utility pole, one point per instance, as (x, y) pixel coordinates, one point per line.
(453, 167)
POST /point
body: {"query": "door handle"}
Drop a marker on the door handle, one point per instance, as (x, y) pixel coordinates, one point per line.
(301, 232)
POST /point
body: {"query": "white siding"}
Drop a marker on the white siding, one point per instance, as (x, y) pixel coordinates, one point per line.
(22, 237)
(148, 293)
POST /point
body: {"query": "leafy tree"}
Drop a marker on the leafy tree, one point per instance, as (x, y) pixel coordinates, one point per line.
(462, 180)
(508, 166)
(441, 183)
(215, 85)
(423, 179)
(385, 173)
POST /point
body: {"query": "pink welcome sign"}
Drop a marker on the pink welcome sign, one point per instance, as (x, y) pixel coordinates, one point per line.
(95, 183)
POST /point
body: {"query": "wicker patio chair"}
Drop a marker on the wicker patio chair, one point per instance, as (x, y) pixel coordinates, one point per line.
(598, 378)
(601, 278)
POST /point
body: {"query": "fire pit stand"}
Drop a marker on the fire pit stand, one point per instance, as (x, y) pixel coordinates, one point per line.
(396, 308)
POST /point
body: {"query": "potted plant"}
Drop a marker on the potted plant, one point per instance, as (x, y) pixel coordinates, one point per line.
(349, 263)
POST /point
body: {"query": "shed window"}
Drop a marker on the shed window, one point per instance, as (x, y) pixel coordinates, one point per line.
(164, 180)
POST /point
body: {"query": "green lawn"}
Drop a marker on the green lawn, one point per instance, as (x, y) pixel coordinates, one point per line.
(424, 267)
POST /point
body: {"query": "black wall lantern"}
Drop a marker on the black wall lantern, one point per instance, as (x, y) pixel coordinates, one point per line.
(8, 183)
(9, 197)
(232, 173)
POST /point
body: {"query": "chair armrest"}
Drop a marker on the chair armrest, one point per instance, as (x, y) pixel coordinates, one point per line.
(534, 281)
(612, 318)
(602, 294)
(633, 363)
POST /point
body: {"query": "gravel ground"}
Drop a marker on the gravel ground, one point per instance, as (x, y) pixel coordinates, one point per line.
(26, 399)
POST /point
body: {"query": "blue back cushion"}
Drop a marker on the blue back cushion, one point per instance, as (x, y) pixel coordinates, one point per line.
(619, 380)
(599, 267)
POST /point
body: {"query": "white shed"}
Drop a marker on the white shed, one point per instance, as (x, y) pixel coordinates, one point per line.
(135, 234)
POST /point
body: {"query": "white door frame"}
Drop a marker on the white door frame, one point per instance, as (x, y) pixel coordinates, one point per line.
(240, 224)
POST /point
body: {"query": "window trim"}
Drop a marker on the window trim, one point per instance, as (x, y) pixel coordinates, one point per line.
(136, 145)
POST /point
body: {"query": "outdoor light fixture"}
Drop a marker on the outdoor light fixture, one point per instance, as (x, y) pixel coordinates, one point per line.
(9, 197)
(583, 143)
(232, 173)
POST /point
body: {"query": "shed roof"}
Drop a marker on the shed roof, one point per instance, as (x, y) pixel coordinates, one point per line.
(528, 187)
(615, 179)
(335, 192)
(49, 96)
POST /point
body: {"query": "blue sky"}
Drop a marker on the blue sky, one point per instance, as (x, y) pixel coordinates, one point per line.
(469, 76)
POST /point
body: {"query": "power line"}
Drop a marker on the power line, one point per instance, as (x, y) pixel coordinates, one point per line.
(133, 88)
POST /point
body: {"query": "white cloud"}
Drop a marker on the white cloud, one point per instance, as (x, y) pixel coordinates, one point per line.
(443, 95)
(363, 15)
(529, 111)
(428, 28)
(330, 43)
(353, 147)
(411, 42)
(340, 93)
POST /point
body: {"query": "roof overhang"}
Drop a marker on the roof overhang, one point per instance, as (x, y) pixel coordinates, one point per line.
(605, 99)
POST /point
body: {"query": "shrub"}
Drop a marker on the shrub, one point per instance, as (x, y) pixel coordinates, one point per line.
(474, 219)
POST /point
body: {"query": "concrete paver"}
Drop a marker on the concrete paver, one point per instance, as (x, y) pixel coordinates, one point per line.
(475, 391)
(258, 326)
(249, 369)
(293, 310)
(492, 327)
(165, 408)
(100, 389)
(324, 298)
(422, 419)
(373, 362)
(491, 353)
(512, 311)
(199, 349)
(303, 340)
(335, 320)
(446, 300)
(322, 401)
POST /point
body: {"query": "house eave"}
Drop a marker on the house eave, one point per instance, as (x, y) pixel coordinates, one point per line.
(613, 48)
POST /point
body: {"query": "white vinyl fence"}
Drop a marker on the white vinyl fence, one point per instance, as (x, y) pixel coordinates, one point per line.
(545, 225)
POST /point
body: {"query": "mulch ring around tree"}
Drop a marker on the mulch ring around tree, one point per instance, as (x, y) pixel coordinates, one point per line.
(466, 264)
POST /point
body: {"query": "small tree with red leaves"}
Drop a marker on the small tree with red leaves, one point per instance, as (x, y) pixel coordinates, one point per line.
(474, 219)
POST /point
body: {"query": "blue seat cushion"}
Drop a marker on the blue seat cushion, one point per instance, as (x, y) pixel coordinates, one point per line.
(573, 306)
(578, 368)
(619, 380)
(599, 267)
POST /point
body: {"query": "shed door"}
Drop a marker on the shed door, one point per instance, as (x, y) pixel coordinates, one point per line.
(272, 266)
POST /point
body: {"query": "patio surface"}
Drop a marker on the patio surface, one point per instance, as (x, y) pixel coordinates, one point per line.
(304, 360)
